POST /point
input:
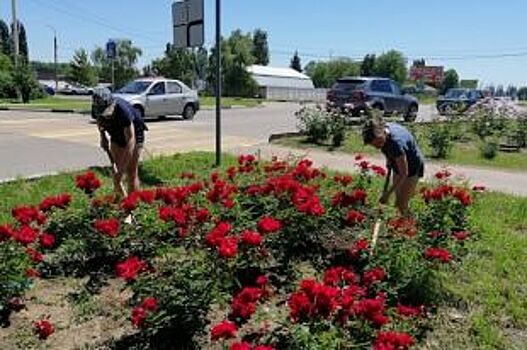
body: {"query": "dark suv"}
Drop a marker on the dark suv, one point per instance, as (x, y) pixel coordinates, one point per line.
(355, 94)
(458, 100)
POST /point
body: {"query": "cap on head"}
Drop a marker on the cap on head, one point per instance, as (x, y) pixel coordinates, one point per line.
(372, 129)
(103, 102)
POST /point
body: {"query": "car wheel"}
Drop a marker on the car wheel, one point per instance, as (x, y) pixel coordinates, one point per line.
(189, 112)
(411, 115)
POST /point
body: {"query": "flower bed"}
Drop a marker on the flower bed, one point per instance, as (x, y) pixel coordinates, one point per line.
(262, 255)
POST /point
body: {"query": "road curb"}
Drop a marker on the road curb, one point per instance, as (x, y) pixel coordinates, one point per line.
(39, 110)
(285, 135)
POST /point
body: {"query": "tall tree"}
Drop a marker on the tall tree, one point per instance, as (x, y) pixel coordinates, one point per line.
(391, 65)
(81, 70)
(522, 93)
(324, 74)
(296, 62)
(260, 48)
(450, 81)
(22, 41)
(125, 63)
(367, 65)
(4, 38)
(177, 64)
(419, 63)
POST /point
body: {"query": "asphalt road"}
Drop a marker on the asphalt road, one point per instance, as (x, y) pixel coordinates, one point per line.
(32, 144)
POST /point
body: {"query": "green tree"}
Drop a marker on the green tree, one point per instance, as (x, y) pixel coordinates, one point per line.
(24, 81)
(391, 64)
(48, 68)
(6, 77)
(177, 64)
(522, 93)
(367, 65)
(22, 41)
(296, 63)
(450, 81)
(81, 71)
(260, 49)
(324, 74)
(125, 63)
(4, 38)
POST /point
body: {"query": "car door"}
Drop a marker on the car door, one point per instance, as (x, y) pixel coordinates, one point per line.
(156, 100)
(176, 98)
(399, 102)
(383, 91)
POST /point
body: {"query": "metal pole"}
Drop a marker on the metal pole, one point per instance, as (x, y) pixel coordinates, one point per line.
(55, 51)
(15, 33)
(113, 74)
(218, 82)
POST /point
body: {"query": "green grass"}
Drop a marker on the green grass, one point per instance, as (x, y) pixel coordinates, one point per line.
(488, 293)
(523, 103)
(426, 100)
(230, 101)
(51, 102)
(463, 153)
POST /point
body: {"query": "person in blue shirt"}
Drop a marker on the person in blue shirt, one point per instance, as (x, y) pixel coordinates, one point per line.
(404, 159)
(125, 127)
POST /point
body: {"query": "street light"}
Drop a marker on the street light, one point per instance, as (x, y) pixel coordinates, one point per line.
(55, 55)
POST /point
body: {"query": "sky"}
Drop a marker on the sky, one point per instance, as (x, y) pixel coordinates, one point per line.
(481, 39)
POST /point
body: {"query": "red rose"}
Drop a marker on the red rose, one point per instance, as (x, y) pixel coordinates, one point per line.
(35, 256)
(138, 316)
(264, 347)
(215, 237)
(355, 217)
(393, 340)
(26, 215)
(262, 281)
(202, 215)
(26, 235)
(108, 227)
(129, 268)
(443, 174)
(47, 240)
(359, 157)
(44, 329)
(60, 202)
(87, 182)
(32, 273)
(149, 304)
(228, 247)
(130, 203)
(461, 236)
(251, 238)
(240, 346)
(438, 254)
(479, 188)
(379, 170)
(269, 225)
(408, 311)
(6, 232)
(372, 276)
(147, 196)
(223, 330)
(359, 247)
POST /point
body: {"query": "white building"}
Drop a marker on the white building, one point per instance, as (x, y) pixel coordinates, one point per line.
(284, 84)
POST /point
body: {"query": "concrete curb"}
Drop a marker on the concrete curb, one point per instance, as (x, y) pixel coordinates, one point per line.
(284, 135)
(45, 110)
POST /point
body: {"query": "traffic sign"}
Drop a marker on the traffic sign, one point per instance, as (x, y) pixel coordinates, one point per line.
(188, 21)
(111, 49)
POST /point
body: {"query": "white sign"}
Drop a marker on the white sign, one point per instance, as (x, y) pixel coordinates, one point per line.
(189, 29)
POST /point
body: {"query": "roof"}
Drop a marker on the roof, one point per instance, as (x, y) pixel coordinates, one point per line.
(276, 72)
(362, 78)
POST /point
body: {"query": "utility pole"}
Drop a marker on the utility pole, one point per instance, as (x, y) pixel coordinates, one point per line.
(15, 32)
(218, 82)
(55, 57)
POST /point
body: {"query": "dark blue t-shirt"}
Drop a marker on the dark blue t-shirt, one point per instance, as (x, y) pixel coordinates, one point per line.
(400, 141)
(125, 114)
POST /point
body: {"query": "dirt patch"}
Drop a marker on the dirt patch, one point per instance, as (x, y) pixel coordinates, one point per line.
(80, 323)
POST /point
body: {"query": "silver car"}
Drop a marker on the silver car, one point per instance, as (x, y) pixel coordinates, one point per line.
(159, 97)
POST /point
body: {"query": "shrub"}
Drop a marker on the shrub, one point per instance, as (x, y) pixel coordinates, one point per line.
(489, 149)
(313, 123)
(440, 140)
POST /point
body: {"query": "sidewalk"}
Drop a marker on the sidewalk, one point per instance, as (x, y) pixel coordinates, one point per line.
(495, 180)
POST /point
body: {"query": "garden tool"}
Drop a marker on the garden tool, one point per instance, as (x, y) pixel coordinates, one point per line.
(379, 212)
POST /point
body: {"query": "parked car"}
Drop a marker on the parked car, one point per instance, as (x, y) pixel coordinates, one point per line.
(75, 89)
(355, 94)
(48, 90)
(159, 97)
(458, 100)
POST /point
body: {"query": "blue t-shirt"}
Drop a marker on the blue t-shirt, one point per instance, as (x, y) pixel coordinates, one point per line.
(125, 114)
(400, 141)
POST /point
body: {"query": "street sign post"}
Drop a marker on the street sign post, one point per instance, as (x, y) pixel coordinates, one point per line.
(111, 54)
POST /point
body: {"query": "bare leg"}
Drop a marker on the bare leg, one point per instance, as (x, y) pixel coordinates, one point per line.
(132, 171)
(404, 194)
(117, 153)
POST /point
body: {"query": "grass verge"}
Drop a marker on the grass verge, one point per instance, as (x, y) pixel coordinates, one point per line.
(487, 303)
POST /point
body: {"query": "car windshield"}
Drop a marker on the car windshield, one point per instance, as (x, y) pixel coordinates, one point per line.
(457, 93)
(348, 85)
(135, 87)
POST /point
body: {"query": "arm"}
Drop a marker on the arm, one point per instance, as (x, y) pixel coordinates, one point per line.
(402, 169)
(104, 139)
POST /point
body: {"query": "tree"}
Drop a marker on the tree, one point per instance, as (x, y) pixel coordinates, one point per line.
(4, 39)
(500, 91)
(81, 70)
(324, 74)
(391, 64)
(522, 93)
(22, 41)
(512, 91)
(296, 63)
(367, 65)
(24, 81)
(177, 64)
(47, 69)
(450, 81)
(260, 49)
(6, 77)
(419, 63)
(125, 63)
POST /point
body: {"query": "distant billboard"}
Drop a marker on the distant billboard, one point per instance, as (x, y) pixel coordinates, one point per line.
(431, 75)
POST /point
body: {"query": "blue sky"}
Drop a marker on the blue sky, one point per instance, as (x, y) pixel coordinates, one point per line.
(466, 35)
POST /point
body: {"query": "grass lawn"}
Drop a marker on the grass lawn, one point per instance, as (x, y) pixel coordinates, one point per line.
(230, 101)
(463, 153)
(51, 102)
(486, 307)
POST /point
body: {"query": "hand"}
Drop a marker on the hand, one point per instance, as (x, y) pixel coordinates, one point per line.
(384, 198)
